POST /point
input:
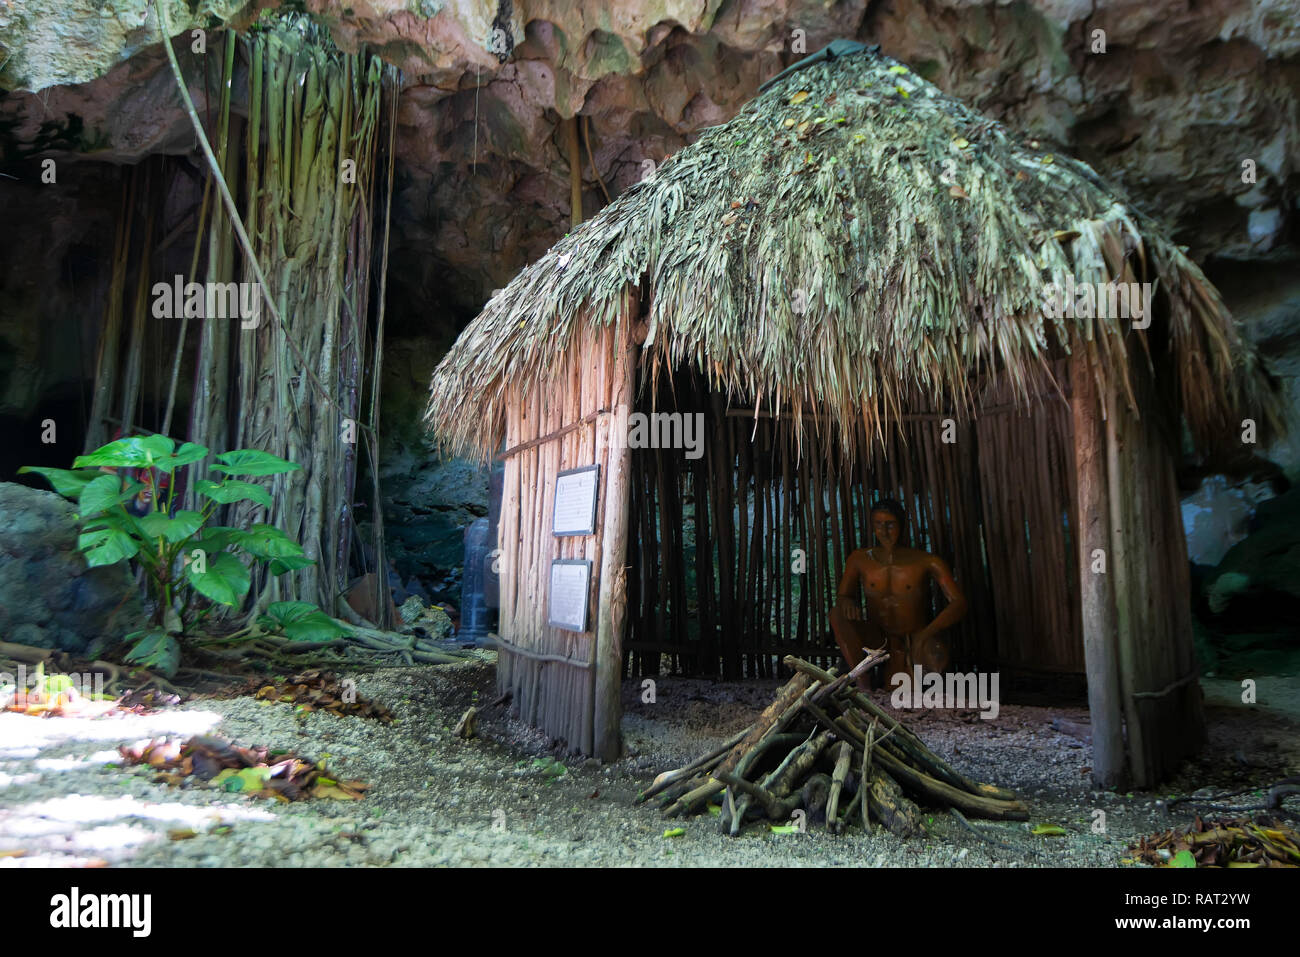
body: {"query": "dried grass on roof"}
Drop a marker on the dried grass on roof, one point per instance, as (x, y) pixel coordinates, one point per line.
(834, 191)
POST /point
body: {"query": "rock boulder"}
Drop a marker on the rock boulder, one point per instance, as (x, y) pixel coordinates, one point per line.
(48, 597)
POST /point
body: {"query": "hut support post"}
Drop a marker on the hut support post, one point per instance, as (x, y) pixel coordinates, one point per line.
(1148, 560)
(1117, 566)
(1092, 532)
(611, 612)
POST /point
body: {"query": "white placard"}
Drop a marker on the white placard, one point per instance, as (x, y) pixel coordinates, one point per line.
(575, 501)
(570, 585)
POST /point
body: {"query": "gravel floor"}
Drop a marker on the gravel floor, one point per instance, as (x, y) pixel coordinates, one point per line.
(437, 800)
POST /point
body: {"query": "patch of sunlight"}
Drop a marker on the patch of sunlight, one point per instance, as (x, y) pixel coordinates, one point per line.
(78, 825)
(24, 736)
(83, 809)
(60, 764)
(112, 837)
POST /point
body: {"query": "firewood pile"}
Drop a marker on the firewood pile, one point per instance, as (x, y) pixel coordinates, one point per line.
(824, 747)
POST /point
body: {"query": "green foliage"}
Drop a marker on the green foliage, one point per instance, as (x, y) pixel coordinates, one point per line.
(300, 621)
(550, 767)
(155, 650)
(181, 554)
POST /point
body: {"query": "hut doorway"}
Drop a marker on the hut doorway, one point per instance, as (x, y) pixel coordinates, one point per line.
(736, 546)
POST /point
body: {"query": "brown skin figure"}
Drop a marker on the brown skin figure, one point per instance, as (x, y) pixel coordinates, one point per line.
(894, 580)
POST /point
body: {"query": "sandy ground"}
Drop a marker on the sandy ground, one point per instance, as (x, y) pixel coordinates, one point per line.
(437, 800)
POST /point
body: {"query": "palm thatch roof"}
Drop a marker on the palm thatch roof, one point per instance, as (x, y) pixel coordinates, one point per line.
(853, 239)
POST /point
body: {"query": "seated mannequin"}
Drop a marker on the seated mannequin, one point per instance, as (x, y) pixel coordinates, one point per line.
(894, 579)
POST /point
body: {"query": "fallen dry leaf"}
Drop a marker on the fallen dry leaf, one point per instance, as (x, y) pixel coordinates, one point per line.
(315, 690)
(338, 790)
(256, 772)
(1234, 843)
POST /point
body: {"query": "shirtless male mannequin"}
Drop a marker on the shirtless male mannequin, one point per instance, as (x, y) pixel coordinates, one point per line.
(894, 579)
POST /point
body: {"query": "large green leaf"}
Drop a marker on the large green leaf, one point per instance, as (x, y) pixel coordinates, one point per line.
(289, 563)
(99, 495)
(120, 519)
(281, 612)
(176, 528)
(301, 621)
(252, 462)
(216, 538)
(157, 651)
(188, 453)
(67, 483)
(267, 541)
(225, 580)
(136, 451)
(106, 546)
(233, 490)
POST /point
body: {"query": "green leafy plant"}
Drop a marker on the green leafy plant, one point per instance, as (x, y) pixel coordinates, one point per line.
(301, 621)
(181, 554)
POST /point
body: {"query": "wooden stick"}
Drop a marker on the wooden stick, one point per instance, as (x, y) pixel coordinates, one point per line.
(946, 795)
(798, 763)
(864, 785)
(922, 755)
(769, 721)
(838, 727)
(837, 782)
(854, 805)
(890, 806)
(696, 798)
(668, 777)
(613, 574)
(777, 808)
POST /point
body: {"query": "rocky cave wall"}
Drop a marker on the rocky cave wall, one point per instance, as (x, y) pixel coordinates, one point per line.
(1170, 100)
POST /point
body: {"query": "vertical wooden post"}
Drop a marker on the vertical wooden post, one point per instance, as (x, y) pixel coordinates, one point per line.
(1119, 431)
(575, 169)
(611, 613)
(1092, 531)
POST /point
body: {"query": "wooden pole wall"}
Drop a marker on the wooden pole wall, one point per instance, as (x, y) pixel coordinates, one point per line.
(755, 503)
(569, 421)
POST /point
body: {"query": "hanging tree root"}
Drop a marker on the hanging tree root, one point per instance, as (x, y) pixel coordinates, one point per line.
(823, 746)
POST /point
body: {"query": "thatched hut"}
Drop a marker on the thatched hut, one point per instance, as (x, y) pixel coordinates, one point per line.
(858, 283)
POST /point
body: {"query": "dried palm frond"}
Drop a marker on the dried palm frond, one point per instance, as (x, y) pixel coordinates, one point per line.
(852, 237)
